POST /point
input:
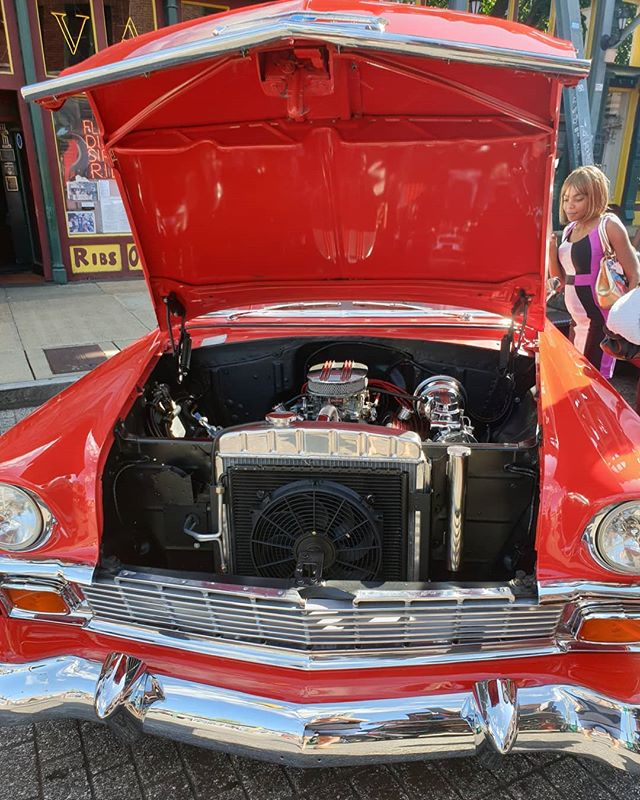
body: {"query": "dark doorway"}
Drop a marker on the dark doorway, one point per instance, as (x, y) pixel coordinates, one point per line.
(19, 243)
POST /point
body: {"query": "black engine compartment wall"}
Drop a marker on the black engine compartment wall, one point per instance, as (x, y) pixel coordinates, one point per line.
(240, 382)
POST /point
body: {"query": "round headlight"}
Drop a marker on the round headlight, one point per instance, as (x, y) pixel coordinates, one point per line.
(617, 538)
(21, 520)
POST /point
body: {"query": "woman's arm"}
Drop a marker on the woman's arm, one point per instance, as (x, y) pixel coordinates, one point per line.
(625, 254)
(556, 269)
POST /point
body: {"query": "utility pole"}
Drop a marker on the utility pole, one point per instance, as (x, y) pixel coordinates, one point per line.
(575, 99)
(605, 12)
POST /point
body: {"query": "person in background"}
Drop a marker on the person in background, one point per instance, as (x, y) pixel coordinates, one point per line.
(574, 264)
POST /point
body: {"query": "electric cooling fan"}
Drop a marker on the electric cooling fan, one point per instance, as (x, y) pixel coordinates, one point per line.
(319, 525)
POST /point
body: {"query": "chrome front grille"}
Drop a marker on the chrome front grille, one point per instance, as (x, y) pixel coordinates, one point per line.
(396, 621)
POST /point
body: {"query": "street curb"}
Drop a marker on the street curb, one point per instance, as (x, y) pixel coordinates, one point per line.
(34, 393)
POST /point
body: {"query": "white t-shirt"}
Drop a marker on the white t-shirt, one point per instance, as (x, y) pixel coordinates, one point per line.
(624, 316)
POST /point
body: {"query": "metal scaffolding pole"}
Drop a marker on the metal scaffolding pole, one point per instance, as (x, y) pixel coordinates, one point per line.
(605, 12)
(575, 99)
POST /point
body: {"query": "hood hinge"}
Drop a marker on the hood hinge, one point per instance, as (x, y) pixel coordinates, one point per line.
(181, 350)
(510, 343)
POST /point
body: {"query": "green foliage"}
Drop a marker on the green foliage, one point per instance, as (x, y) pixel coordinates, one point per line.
(623, 54)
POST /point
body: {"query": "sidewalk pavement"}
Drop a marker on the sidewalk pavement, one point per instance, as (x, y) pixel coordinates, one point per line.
(44, 326)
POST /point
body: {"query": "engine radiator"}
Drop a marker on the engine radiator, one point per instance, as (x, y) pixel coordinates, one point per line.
(375, 474)
(384, 491)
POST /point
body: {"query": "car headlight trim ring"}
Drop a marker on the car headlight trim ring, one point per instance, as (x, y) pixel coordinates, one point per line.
(25, 521)
(614, 537)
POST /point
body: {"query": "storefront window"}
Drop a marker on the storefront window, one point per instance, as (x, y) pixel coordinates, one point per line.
(92, 201)
(5, 54)
(194, 10)
(128, 18)
(67, 33)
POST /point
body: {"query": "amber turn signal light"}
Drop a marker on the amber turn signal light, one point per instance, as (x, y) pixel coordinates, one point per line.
(39, 601)
(610, 631)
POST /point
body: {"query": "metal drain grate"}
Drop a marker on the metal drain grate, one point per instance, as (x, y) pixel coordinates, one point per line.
(79, 358)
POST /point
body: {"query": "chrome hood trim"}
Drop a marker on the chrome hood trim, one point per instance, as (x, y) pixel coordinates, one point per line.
(571, 591)
(47, 570)
(358, 31)
(498, 714)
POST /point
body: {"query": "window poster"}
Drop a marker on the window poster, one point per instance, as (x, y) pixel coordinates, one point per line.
(81, 221)
(93, 203)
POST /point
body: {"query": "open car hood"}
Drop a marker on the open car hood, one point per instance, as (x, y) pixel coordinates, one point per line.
(314, 149)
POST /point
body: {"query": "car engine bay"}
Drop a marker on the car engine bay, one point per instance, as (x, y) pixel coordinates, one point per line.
(302, 461)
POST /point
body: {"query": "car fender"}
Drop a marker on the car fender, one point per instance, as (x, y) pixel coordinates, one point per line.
(590, 458)
(58, 451)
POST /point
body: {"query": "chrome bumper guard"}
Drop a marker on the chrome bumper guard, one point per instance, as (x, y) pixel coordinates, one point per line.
(125, 695)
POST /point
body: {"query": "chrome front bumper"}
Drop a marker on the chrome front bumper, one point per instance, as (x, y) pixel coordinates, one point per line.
(122, 693)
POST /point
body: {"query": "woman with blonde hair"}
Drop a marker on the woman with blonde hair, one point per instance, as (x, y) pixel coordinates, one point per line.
(576, 261)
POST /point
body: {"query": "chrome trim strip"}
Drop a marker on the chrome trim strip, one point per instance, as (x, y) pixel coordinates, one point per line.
(435, 592)
(47, 570)
(295, 659)
(275, 612)
(320, 26)
(495, 713)
(571, 591)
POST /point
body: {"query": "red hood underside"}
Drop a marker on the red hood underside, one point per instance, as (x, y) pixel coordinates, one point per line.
(303, 170)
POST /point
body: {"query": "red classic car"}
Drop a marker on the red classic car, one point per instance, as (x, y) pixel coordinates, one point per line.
(354, 499)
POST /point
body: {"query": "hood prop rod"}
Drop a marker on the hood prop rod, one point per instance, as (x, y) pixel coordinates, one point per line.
(510, 345)
(181, 350)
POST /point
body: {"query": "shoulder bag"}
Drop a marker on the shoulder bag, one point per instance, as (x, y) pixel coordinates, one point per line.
(611, 282)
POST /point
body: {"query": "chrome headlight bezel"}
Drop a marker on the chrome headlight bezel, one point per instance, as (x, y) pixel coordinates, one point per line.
(594, 533)
(44, 515)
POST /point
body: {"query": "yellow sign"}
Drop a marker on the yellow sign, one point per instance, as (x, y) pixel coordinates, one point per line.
(130, 30)
(132, 257)
(95, 258)
(61, 19)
